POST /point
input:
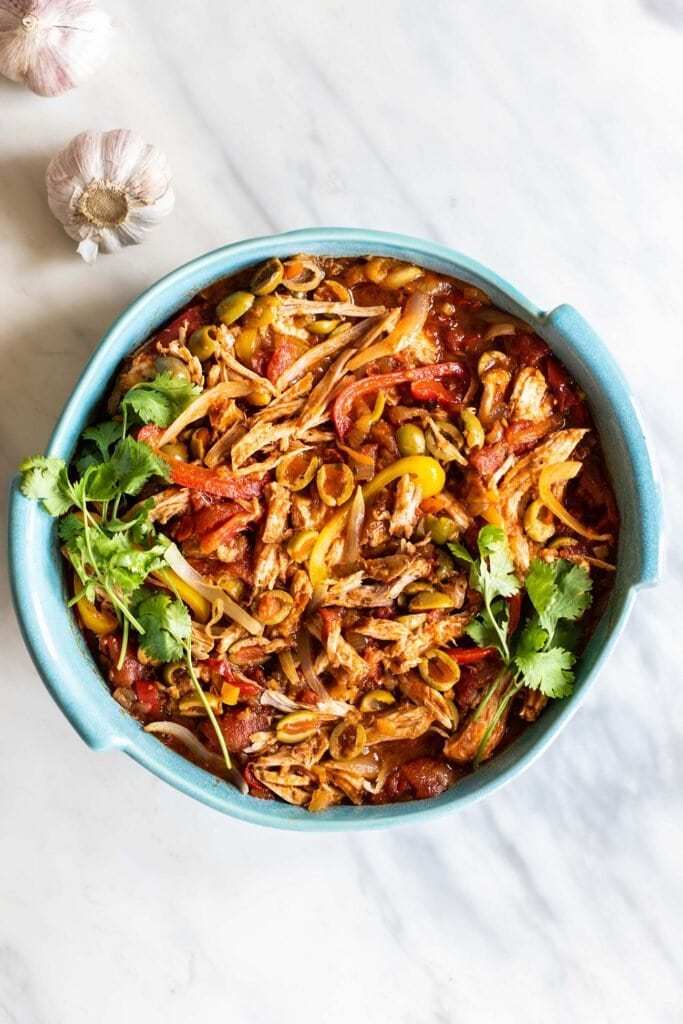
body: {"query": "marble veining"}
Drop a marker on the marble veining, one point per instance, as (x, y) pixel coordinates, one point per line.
(544, 138)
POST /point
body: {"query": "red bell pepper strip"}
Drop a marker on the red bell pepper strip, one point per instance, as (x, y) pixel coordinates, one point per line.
(225, 671)
(198, 478)
(148, 694)
(341, 410)
(468, 655)
(434, 391)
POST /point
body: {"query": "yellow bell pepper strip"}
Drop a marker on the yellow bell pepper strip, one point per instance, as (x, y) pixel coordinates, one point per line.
(197, 602)
(558, 473)
(97, 621)
(431, 478)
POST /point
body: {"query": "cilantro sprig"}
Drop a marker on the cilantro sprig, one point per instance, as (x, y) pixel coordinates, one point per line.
(540, 653)
(116, 555)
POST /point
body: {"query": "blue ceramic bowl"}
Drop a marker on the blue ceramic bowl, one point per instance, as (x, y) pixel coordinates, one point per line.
(63, 660)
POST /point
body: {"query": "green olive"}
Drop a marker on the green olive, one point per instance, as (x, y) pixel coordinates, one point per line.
(273, 607)
(410, 439)
(193, 704)
(232, 307)
(177, 451)
(296, 470)
(429, 601)
(174, 672)
(204, 342)
(347, 741)
(445, 566)
(297, 726)
(234, 588)
(172, 365)
(439, 528)
(199, 442)
(267, 277)
(439, 670)
(376, 700)
(301, 544)
(323, 326)
(455, 714)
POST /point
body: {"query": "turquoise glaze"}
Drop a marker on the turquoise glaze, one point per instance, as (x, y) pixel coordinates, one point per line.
(55, 642)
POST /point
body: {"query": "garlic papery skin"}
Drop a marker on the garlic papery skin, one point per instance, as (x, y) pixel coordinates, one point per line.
(108, 189)
(51, 45)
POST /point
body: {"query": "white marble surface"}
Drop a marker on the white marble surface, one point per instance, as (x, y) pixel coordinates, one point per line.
(546, 138)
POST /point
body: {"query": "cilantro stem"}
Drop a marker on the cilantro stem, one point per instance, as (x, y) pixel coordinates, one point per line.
(494, 721)
(207, 707)
(489, 693)
(500, 633)
(124, 644)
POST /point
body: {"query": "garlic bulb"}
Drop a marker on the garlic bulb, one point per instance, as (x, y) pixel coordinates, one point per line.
(107, 189)
(51, 45)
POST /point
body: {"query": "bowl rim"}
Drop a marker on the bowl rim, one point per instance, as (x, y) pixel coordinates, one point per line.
(104, 725)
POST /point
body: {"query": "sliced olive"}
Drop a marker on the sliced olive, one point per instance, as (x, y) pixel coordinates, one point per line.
(323, 326)
(414, 621)
(444, 442)
(335, 483)
(376, 700)
(204, 342)
(176, 451)
(173, 365)
(263, 312)
(192, 704)
(199, 442)
(232, 307)
(340, 292)
(297, 726)
(455, 714)
(539, 523)
(301, 544)
(267, 277)
(440, 528)
(234, 587)
(472, 429)
(445, 566)
(347, 741)
(439, 670)
(411, 439)
(174, 672)
(302, 275)
(430, 600)
(296, 470)
(273, 607)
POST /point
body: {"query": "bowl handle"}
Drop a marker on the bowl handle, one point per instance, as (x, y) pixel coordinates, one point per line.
(643, 498)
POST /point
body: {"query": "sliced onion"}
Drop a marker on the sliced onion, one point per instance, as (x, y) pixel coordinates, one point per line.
(306, 661)
(288, 667)
(351, 552)
(213, 762)
(216, 595)
(406, 330)
(561, 472)
(200, 407)
(275, 699)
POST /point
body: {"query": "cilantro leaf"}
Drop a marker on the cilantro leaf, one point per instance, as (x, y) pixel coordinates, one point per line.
(45, 479)
(486, 629)
(458, 551)
(558, 590)
(161, 400)
(548, 669)
(166, 623)
(494, 576)
(134, 463)
(104, 436)
(70, 528)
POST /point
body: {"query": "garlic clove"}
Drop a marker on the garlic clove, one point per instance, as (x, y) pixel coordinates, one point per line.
(52, 45)
(108, 189)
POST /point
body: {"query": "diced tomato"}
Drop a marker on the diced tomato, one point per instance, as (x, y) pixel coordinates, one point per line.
(527, 349)
(148, 694)
(426, 776)
(239, 726)
(183, 529)
(568, 402)
(211, 516)
(260, 360)
(307, 696)
(192, 318)
(284, 356)
(489, 458)
(329, 617)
